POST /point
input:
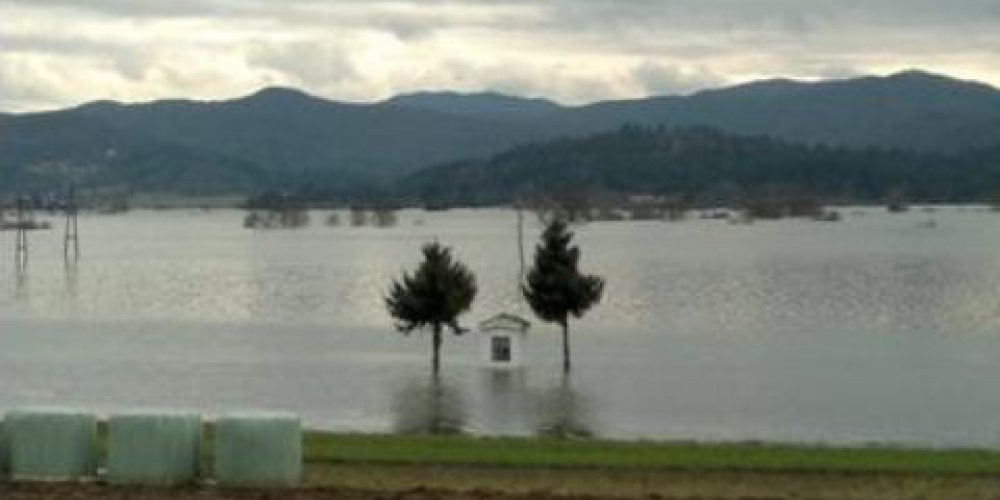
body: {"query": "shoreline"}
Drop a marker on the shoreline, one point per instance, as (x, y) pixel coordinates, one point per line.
(417, 467)
(595, 453)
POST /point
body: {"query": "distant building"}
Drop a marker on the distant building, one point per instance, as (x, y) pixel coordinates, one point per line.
(503, 341)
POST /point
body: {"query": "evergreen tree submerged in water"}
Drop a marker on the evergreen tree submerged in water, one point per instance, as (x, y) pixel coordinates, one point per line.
(555, 288)
(434, 296)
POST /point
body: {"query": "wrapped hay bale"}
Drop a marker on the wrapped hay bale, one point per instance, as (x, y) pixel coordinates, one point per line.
(153, 448)
(258, 449)
(51, 444)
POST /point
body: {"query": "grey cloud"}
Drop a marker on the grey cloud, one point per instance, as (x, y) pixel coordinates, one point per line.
(31, 84)
(570, 89)
(319, 64)
(667, 79)
(609, 24)
(134, 64)
(571, 50)
(20, 93)
(132, 61)
(791, 15)
(522, 78)
(41, 43)
(138, 9)
(777, 12)
(839, 72)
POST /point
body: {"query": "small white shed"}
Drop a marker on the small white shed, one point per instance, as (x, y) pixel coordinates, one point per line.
(503, 341)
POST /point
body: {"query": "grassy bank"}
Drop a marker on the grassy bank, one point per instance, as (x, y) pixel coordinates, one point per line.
(368, 467)
(538, 467)
(330, 448)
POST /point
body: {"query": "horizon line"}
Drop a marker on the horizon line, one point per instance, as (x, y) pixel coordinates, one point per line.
(501, 93)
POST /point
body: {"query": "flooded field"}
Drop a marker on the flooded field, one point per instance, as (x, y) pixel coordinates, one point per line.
(880, 328)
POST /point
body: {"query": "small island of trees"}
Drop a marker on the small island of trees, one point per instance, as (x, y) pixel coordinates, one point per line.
(443, 288)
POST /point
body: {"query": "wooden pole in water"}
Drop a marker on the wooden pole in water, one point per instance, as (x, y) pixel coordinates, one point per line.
(21, 243)
(71, 240)
(520, 245)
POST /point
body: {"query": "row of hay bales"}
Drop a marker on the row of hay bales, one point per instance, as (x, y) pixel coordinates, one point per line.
(151, 448)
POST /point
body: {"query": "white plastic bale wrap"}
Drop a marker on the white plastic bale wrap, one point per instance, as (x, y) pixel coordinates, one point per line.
(258, 449)
(51, 444)
(153, 448)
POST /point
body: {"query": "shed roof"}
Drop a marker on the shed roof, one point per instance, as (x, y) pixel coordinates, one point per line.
(506, 322)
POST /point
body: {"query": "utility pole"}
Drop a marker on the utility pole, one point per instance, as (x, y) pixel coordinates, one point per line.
(520, 243)
(71, 239)
(21, 244)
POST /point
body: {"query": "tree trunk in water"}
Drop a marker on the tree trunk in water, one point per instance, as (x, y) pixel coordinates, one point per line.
(565, 332)
(437, 349)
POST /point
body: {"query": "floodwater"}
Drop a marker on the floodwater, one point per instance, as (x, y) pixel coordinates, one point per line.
(880, 328)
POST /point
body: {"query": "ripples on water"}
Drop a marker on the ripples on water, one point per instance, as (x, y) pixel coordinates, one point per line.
(872, 329)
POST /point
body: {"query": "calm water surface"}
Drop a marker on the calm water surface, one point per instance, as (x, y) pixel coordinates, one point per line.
(877, 328)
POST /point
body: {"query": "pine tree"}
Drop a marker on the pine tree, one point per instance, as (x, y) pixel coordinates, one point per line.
(435, 295)
(555, 288)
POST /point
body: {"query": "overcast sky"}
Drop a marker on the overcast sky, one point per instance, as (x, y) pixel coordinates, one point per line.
(55, 53)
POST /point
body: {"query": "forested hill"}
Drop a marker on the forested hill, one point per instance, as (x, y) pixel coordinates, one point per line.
(280, 138)
(274, 138)
(908, 110)
(708, 166)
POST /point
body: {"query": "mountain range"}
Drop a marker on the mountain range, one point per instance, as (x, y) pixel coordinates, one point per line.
(280, 137)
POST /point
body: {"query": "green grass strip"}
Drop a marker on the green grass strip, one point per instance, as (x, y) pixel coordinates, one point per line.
(556, 453)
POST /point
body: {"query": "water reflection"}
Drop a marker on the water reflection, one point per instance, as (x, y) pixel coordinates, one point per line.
(564, 412)
(506, 407)
(429, 406)
(504, 404)
(21, 283)
(72, 277)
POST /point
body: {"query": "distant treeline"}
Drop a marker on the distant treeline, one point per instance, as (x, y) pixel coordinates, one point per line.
(692, 167)
(301, 196)
(704, 167)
